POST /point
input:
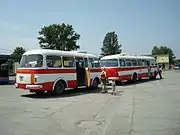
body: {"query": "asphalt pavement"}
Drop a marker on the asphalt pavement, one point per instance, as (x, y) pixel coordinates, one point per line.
(144, 108)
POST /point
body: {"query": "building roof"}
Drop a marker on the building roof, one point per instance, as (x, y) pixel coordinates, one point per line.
(4, 57)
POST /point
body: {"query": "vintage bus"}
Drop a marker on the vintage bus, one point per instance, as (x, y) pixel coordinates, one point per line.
(45, 70)
(129, 68)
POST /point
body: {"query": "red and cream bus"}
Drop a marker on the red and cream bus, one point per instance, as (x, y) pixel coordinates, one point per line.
(47, 70)
(127, 67)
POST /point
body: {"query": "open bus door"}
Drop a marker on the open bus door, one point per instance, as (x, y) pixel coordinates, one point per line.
(81, 74)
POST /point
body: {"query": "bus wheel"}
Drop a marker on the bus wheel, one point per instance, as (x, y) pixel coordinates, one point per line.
(95, 84)
(134, 79)
(59, 88)
(39, 93)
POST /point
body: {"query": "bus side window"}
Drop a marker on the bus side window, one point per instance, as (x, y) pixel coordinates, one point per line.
(54, 61)
(134, 62)
(86, 62)
(103, 63)
(153, 63)
(143, 63)
(68, 62)
(121, 63)
(96, 63)
(91, 61)
(147, 63)
(128, 63)
(139, 62)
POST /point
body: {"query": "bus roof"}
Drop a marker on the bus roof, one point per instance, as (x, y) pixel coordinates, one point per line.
(58, 52)
(121, 56)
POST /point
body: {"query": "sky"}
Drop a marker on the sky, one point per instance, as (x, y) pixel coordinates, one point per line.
(139, 24)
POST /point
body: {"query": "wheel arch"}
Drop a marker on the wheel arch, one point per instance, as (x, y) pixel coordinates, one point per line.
(95, 79)
(133, 75)
(60, 79)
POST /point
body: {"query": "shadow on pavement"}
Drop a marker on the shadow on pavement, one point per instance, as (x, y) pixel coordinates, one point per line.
(83, 91)
(137, 82)
(67, 93)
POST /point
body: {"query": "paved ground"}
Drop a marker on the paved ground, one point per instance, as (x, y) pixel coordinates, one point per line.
(147, 108)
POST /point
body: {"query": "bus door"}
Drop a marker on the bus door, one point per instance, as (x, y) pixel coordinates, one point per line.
(80, 71)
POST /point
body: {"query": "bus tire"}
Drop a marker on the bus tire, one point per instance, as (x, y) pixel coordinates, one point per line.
(95, 83)
(134, 78)
(59, 88)
(39, 93)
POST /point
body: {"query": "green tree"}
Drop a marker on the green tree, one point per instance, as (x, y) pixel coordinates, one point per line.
(164, 50)
(17, 54)
(110, 44)
(59, 37)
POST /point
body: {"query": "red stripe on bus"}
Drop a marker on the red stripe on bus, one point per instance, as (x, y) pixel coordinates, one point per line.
(50, 71)
(44, 71)
(128, 68)
(47, 86)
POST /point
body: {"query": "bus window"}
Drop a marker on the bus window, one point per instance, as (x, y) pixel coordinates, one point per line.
(86, 62)
(103, 63)
(68, 62)
(121, 63)
(91, 61)
(147, 63)
(153, 63)
(128, 63)
(31, 61)
(134, 62)
(139, 62)
(143, 63)
(96, 64)
(112, 63)
(54, 61)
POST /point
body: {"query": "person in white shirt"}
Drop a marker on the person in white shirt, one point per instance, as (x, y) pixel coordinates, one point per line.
(160, 71)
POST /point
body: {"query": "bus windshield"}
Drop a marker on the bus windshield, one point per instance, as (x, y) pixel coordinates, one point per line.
(109, 63)
(31, 61)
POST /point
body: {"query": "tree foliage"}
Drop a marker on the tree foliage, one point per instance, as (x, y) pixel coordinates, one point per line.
(110, 44)
(17, 54)
(164, 50)
(59, 37)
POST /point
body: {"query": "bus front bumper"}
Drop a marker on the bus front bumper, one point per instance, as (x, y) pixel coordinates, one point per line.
(28, 86)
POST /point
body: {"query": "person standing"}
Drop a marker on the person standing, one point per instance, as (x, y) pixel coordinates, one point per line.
(103, 80)
(160, 71)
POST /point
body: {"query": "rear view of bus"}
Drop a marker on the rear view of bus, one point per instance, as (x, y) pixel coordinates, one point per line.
(128, 67)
